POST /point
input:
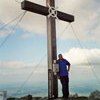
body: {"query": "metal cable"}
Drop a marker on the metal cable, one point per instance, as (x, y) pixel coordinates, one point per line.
(29, 76)
(86, 56)
(6, 38)
(5, 25)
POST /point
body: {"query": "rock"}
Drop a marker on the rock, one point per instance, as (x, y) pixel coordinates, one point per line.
(28, 97)
(95, 95)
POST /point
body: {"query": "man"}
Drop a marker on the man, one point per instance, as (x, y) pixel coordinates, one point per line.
(64, 67)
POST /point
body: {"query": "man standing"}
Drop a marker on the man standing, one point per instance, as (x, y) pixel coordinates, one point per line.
(64, 67)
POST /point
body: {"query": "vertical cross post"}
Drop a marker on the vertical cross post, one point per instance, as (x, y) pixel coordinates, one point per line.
(52, 53)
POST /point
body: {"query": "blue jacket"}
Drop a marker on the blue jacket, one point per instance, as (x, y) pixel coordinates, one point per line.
(63, 63)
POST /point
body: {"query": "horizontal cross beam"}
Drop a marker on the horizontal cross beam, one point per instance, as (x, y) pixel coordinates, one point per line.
(39, 9)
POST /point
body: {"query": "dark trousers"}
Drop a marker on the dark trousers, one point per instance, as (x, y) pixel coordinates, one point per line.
(65, 85)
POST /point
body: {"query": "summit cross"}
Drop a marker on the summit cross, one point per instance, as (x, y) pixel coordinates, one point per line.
(49, 10)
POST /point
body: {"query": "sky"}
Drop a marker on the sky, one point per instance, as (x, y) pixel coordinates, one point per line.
(24, 53)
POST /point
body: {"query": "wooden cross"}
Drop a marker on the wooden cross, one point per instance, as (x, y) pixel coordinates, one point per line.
(51, 38)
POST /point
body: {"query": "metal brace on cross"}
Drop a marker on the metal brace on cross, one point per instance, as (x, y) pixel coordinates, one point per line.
(51, 37)
(52, 12)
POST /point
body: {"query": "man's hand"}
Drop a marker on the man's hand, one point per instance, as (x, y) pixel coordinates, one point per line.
(68, 68)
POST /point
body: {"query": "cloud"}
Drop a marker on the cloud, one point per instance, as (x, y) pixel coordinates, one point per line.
(86, 13)
(21, 66)
(78, 56)
(15, 64)
(87, 21)
(80, 74)
(86, 25)
(35, 22)
(20, 71)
